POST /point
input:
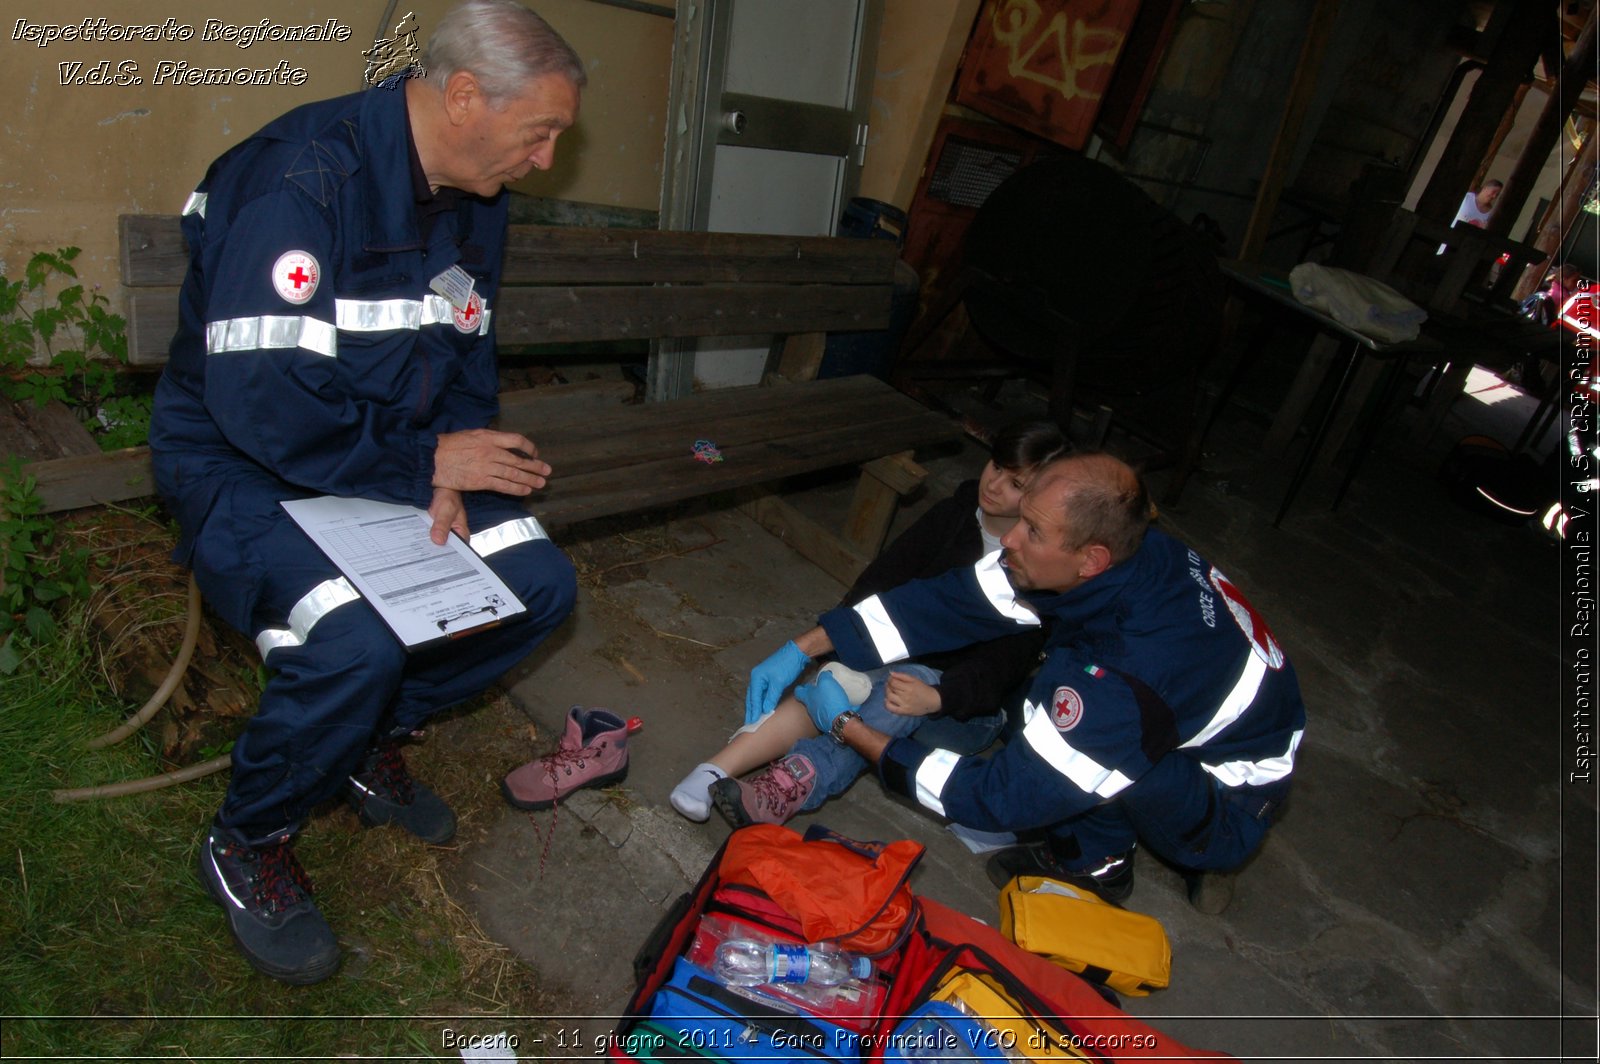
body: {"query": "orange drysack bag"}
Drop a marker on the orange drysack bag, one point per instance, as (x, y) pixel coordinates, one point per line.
(851, 893)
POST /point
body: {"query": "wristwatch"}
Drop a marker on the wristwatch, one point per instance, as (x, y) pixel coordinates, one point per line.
(836, 729)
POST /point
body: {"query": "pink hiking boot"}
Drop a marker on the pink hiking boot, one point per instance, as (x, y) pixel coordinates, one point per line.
(771, 796)
(592, 753)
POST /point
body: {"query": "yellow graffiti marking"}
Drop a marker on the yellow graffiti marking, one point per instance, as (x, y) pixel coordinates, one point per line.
(1085, 48)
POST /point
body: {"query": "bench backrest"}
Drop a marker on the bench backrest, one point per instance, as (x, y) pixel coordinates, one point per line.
(565, 285)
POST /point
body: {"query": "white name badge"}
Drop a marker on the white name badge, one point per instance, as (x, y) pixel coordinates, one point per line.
(456, 285)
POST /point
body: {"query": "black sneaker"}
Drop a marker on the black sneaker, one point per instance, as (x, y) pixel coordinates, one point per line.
(267, 898)
(383, 792)
(1111, 880)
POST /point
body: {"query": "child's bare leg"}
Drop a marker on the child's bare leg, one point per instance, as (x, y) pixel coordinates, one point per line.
(749, 750)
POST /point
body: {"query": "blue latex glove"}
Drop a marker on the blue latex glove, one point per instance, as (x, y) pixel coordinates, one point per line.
(771, 678)
(824, 700)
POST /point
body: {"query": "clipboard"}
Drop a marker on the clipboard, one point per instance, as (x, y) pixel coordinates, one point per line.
(426, 593)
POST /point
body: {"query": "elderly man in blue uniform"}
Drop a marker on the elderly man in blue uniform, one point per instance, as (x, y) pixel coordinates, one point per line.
(335, 339)
(1163, 710)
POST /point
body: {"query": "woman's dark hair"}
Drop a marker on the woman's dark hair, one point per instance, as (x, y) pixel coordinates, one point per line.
(1027, 445)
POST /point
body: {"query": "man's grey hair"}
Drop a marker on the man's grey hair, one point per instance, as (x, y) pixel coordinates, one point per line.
(503, 45)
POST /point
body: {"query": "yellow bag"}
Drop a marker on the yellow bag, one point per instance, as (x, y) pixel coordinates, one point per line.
(1014, 1030)
(1123, 950)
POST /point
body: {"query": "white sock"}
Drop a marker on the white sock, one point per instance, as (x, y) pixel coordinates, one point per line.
(692, 796)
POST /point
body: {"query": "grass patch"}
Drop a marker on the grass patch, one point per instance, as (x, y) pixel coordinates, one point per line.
(114, 950)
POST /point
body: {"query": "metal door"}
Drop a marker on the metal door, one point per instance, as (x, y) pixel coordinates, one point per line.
(766, 134)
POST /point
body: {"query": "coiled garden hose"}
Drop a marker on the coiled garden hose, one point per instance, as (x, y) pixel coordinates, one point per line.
(180, 664)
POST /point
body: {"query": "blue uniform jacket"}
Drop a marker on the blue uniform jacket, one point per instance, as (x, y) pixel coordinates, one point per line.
(310, 347)
(1159, 654)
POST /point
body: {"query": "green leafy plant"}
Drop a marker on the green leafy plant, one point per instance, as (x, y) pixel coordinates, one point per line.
(58, 342)
(35, 573)
(45, 313)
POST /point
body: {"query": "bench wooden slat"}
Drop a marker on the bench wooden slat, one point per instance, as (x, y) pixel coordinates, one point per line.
(153, 254)
(612, 458)
(667, 480)
(614, 312)
(518, 410)
(580, 449)
(537, 255)
(561, 315)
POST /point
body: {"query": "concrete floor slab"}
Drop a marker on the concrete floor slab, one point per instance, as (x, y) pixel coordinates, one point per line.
(1431, 871)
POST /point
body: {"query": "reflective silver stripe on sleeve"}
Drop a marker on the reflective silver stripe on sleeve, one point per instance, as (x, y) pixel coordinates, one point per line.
(998, 590)
(195, 204)
(506, 534)
(1257, 773)
(385, 315)
(881, 630)
(271, 331)
(312, 607)
(932, 775)
(1087, 774)
(1239, 699)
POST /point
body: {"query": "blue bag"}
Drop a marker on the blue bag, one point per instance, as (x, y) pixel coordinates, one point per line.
(716, 1021)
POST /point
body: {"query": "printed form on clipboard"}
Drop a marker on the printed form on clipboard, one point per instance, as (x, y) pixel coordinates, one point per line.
(424, 592)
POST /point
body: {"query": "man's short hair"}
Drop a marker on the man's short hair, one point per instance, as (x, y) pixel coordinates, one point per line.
(1493, 182)
(503, 45)
(1106, 502)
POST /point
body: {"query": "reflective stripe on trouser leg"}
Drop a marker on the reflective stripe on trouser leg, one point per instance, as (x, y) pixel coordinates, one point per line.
(316, 719)
(1179, 812)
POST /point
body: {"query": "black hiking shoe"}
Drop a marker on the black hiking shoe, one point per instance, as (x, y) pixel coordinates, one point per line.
(1111, 879)
(383, 792)
(267, 898)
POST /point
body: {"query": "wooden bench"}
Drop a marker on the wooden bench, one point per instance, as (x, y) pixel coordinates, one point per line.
(579, 285)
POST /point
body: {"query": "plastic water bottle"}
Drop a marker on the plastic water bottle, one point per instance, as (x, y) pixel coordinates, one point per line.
(744, 962)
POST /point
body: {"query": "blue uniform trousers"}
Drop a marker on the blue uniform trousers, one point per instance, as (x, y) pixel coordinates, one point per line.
(347, 682)
(1180, 812)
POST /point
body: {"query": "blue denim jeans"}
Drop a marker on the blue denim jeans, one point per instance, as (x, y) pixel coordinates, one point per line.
(838, 766)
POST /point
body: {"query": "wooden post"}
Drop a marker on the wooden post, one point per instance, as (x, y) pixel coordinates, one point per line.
(1301, 90)
(1553, 227)
(1570, 83)
(878, 492)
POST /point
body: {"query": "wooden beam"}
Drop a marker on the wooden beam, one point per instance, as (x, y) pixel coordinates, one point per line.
(818, 545)
(1303, 87)
(801, 357)
(1561, 213)
(883, 482)
(93, 479)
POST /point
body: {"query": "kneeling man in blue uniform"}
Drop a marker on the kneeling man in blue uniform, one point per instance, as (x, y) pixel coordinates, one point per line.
(1163, 709)
(335, 339)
